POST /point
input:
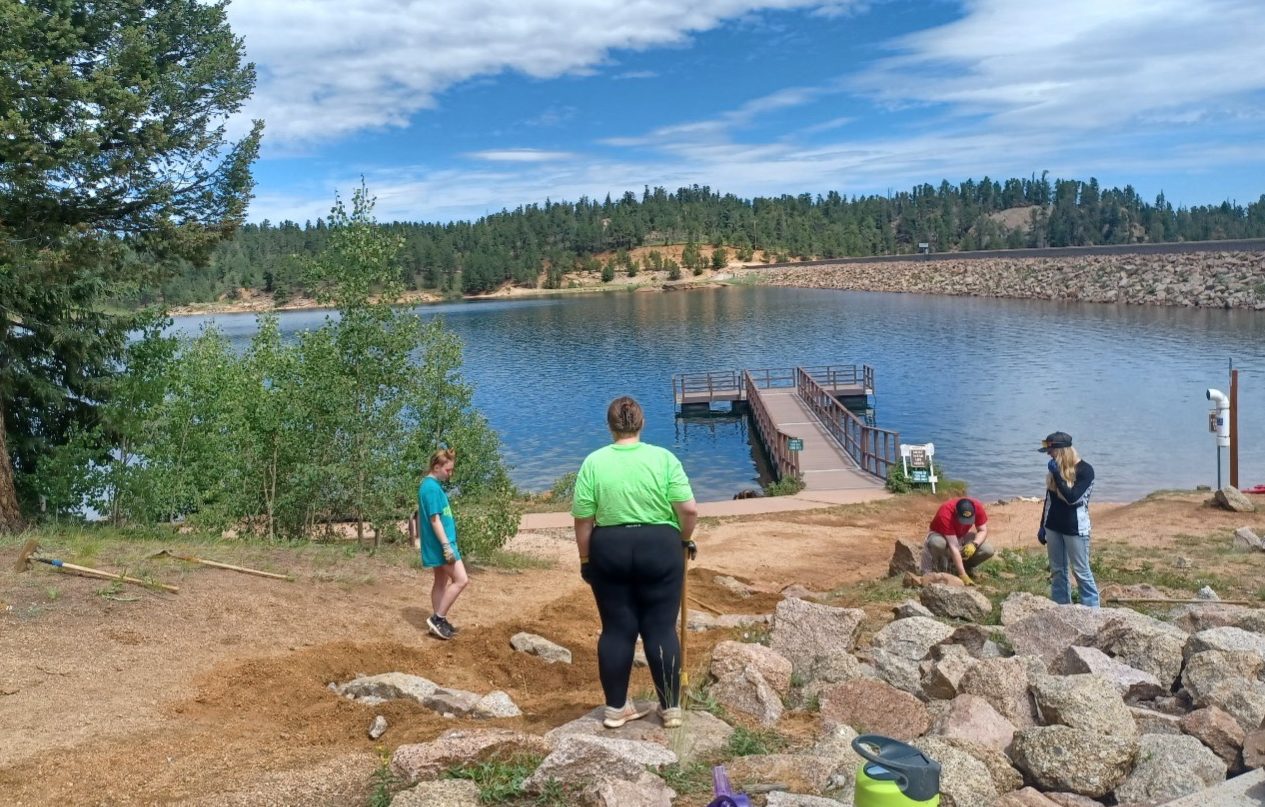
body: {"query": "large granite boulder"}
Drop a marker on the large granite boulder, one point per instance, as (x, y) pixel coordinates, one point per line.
(1085, 702)
(1232, 499)
(733, 658)
(954, 602)
(582, 764)
(810, 634)
(1005, 778)
(1219, 731)
(1019, 605)
(964, 780)
(1027, 797)
(897, 649)
(747, 694)
(906, 558)
(388, 686)
(1151, 721)
(942, 673)
(802, 773)
(1046, 633)
(1168, 768)
(835, 744)
(972, 719)
(535, 645)
(647, 791)
(874, 707)
(1145, 644)
(457, 747)
(1061, 758)
(1003, 682)
(1133, 685)
(910, 608)
(1209, 670)
(1227, 638)
(648, 729)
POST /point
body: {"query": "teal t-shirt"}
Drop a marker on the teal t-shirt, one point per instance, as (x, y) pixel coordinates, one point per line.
(431, 500)
(630, 484)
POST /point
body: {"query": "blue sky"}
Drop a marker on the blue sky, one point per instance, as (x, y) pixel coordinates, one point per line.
(451, 109)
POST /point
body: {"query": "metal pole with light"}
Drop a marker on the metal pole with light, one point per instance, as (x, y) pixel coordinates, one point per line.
(1219, 423)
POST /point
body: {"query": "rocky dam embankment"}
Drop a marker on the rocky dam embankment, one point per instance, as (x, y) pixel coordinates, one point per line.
(1206, 279)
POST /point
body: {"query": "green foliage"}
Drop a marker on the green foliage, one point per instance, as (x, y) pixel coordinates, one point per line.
(563, 488)
(899, 482)
(114, 171)
(788, 485)
(384, 784)
(674, 269)
(334, 425)
(720, 258)
(746, 742)
(500, 779)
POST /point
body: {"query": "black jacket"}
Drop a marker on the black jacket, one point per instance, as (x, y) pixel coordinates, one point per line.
(1069, 514)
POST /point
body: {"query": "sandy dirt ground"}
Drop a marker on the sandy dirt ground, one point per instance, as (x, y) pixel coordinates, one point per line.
(217, 695)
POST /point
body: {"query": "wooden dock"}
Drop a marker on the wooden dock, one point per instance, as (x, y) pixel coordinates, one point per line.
(802, 419)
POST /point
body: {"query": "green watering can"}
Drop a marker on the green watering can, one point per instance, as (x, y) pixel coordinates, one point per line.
(895, 774)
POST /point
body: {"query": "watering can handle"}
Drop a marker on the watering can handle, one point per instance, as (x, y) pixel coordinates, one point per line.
(916, 774)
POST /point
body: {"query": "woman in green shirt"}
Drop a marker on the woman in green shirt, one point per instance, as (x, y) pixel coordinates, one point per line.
(633, 511)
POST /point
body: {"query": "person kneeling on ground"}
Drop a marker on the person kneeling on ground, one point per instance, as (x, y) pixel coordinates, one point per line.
(951, 546)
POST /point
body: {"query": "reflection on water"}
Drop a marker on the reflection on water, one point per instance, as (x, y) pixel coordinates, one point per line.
(983, 379)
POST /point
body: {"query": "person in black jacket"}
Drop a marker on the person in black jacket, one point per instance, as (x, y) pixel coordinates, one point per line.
(1064, 529)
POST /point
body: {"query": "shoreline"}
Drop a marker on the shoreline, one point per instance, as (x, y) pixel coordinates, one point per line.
(261, 304)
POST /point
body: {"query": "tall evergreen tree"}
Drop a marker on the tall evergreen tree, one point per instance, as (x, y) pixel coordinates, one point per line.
(114, 163)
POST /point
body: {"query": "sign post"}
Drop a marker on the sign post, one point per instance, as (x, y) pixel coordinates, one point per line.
(916, 461)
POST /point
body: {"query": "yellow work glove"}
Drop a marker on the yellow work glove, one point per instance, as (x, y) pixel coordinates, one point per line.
(968, 549)
(966, 580)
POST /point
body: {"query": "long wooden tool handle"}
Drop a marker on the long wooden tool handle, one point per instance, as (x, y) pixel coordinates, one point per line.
(1178, 601)
(685, 597)
(233, 568)
(84, 570)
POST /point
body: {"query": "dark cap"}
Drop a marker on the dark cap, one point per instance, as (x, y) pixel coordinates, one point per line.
(1055, 440)
(966, 511)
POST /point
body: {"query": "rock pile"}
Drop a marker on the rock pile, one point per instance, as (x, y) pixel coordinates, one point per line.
(1059, 705)
(1203, 279)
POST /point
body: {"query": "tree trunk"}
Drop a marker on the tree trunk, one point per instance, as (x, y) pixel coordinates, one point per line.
(10, 513)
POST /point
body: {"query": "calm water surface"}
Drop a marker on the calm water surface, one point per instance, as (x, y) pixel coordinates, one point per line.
(984, 379)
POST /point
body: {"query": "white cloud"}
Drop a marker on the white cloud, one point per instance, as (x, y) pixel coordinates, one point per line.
(328, 68)
(519, 155)
(1080, 64)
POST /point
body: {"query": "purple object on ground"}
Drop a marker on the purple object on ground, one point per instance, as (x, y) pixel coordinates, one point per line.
(725, 796)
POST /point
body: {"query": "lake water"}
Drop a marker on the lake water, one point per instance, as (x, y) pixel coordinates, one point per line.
(984, 379)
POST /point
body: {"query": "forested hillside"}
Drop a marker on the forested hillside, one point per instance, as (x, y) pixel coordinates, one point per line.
(536, 244)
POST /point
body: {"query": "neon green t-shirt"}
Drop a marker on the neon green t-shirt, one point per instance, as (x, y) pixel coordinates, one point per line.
(630, 484)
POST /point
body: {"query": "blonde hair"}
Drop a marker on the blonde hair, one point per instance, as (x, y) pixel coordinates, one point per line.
(1067, 458)
(442, 456)
(625, 417)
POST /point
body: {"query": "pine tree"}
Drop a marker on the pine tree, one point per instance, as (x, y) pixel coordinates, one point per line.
(113, 164)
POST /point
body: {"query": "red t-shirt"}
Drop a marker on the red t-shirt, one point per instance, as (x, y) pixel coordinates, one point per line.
(946, 520)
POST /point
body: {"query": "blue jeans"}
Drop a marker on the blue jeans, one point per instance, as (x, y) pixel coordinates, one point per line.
(1070, 550)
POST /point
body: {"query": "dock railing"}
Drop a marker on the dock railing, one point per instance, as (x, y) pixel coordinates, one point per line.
(875, 450)
(729, 385)
(726, 383)
(776, 441)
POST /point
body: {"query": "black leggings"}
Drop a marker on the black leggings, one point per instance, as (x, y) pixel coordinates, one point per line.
(636, 575)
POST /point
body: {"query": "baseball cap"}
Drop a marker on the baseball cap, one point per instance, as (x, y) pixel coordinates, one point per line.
(1055, 440)
(966, 511)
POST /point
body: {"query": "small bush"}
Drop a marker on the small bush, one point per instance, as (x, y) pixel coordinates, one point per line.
(563, 488)
(788, 485)
(485, 523)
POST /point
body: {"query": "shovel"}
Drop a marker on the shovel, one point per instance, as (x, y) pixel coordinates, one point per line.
(27, 555)
(193, 559)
